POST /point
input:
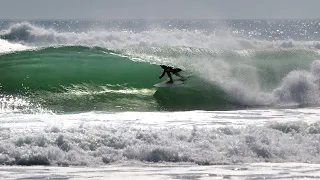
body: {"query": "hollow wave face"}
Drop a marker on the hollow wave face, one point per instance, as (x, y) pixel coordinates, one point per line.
(68, 67)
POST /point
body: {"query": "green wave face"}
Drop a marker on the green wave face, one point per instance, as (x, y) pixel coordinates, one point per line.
(73, 79)
(51, 69)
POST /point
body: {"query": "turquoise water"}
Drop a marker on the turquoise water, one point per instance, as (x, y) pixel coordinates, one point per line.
(84, 79)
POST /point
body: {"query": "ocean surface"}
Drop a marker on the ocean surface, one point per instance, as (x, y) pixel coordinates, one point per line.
(78, 96)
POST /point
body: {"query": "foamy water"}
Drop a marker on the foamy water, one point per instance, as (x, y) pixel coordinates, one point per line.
(162, 145)
(286, 171)
(200, 137)
(7, 47)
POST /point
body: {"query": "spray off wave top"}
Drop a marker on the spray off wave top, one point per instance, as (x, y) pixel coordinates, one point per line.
(212, 36)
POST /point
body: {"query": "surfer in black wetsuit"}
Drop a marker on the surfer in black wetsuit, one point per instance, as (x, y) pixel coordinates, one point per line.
(169, 70)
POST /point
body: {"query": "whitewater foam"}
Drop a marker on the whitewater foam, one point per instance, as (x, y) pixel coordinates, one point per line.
(7, 47)
(87, 89)
(199, 137)
(300, 87)
(18, 104)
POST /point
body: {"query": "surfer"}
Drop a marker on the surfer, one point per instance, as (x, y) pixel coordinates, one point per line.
(169, 70)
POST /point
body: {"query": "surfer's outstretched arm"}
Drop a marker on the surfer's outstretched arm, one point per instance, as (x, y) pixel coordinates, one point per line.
(176, 72)
(181, 77)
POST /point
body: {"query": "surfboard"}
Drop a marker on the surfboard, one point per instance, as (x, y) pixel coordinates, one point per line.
(164, 84)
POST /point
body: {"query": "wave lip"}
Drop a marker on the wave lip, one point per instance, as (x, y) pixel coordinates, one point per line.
(25, 32)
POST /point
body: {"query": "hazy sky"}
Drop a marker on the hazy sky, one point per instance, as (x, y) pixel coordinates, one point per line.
(160, 9)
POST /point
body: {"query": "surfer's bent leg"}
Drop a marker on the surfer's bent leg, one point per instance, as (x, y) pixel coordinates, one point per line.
(169, 74)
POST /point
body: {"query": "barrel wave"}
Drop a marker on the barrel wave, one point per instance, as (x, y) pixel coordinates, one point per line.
(63, 69)
(73, 79)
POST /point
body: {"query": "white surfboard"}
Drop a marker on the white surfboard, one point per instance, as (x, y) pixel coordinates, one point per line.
(165, 84)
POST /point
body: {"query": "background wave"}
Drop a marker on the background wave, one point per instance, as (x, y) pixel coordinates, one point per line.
(199, 34)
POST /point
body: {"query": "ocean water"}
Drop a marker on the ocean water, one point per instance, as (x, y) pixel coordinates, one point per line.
(78, 96)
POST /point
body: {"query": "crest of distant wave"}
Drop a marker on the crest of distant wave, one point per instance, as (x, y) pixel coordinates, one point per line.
(28, 34)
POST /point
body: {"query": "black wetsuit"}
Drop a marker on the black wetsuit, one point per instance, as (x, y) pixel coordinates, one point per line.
(169, 70)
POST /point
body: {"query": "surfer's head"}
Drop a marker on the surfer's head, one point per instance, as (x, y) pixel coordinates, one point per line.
(164, 67)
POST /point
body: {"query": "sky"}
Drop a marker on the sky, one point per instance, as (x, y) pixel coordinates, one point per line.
(159, 9)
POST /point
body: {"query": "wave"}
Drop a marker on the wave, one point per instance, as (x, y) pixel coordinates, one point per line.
(115, 70)
(68, 79)
(76, 78)
(28, 33)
